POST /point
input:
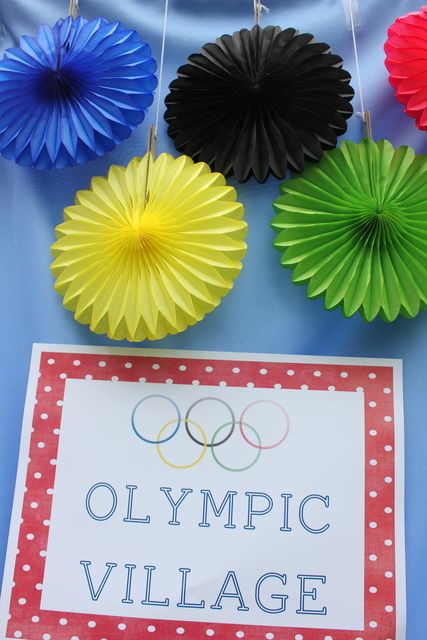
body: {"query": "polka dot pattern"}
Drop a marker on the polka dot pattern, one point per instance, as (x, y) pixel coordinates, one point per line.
(28, 621)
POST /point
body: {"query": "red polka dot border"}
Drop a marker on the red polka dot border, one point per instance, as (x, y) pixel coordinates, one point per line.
(29, 622)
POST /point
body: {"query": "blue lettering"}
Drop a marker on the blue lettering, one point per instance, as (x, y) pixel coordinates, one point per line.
(89, 509)
(127, 599)
(274, 596)
(229, 497)
(325, 500)
(183, 603)
(257, 512)
(158, 603)
(236, 594)
(95, 594)
(286, 497)
(129, 518)
(311, 593)
(175, 505)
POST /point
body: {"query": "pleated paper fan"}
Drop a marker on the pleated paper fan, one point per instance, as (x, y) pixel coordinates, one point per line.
(355, 228)
(136, 271)
(258, 102)
(73, 92)
(406, 61)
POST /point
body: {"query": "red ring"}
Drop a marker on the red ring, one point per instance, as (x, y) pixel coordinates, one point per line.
(269, 446)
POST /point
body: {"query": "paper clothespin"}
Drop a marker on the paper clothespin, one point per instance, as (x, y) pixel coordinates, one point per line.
(152, 140)
(366, 119)
(258, 9)
(73, 9)
(151, 150)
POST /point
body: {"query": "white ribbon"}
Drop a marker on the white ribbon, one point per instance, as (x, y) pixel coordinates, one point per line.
(352, 7)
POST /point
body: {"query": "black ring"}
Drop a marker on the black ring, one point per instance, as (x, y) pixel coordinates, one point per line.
(232, 422)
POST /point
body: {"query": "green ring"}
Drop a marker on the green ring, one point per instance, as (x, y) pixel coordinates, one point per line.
(223, 466)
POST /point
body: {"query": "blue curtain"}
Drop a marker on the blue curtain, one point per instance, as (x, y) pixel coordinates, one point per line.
(265, 312)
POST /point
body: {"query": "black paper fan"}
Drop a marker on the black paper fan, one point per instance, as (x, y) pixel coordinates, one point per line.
(259, 102)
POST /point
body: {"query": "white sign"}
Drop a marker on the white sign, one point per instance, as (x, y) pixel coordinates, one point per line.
(201, 494)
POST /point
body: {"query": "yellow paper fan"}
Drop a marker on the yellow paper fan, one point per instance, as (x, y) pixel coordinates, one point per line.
(136, 271)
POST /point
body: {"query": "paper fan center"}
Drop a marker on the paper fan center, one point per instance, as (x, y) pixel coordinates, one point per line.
(58, 83)
(145, 235)
(378, 222)
(386, 214)
(257, 84)
(383, 215)
(253, 86)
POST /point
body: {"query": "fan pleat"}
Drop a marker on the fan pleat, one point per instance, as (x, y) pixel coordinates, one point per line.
(259, 102)
(354, 227)
(140, 271)
(90, 84)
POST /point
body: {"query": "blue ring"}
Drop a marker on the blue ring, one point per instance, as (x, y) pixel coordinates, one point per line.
(156, 395)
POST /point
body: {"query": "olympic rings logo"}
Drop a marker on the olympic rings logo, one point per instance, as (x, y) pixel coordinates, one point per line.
(198, 435)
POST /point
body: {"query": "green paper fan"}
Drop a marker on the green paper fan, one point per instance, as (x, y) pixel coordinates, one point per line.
(355, 227)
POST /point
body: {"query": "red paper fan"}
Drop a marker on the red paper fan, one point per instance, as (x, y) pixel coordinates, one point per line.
(406, 61)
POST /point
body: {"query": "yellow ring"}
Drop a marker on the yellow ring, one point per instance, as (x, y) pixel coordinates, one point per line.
(182, 466)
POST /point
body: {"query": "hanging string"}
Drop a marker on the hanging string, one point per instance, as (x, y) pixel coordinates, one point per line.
(73, 9)
(364, 114)
(258, 9)
(162, 60)
(152, 133)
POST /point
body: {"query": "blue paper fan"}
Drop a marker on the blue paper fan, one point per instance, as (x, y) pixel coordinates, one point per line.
(73, 92)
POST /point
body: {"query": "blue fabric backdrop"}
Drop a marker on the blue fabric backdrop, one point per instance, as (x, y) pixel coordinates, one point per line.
(265, 312)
